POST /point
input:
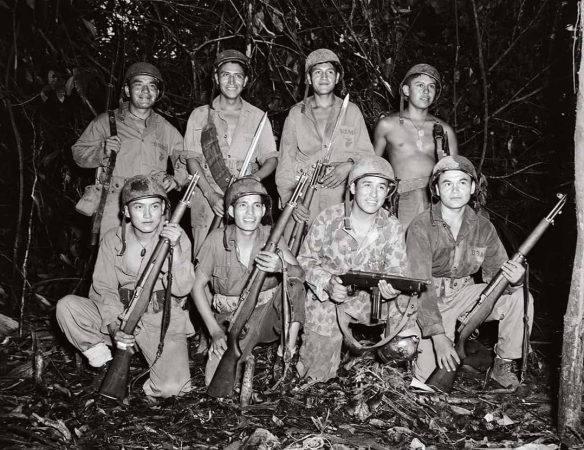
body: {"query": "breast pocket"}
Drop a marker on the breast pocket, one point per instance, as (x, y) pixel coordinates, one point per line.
(220, 278)
(476, 256)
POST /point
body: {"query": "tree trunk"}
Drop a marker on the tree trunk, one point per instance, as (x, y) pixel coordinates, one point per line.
(570, 402)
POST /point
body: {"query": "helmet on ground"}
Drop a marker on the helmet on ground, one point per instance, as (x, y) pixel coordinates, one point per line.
(232, 56)
(140, 187)
(400, 348)
(145, 68)
(455, 162)
(375, 166)
(247, 186)
(323, 55)
(424, 69)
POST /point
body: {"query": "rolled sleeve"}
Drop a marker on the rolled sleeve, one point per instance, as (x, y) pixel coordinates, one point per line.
(88, 150)
(192, 140)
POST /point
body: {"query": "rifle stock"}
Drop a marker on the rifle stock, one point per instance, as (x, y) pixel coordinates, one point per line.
(116, 379)
(443, 379)
(441, 148)
(224, 378)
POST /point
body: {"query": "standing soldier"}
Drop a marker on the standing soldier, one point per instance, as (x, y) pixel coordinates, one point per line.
(218, 138)
(358, 235)
(308, 130)
(144, 141)
(407, 137)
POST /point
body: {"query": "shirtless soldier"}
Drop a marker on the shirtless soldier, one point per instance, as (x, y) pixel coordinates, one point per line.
(407, 138)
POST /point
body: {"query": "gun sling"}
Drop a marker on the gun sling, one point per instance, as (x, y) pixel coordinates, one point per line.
(354, 344)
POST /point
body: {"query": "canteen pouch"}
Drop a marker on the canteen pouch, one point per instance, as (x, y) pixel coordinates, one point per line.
(88, 203)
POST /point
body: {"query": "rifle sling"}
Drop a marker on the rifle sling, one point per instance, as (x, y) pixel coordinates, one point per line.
(213, 155)
(526, 330)
(166, 307)
(354, 345)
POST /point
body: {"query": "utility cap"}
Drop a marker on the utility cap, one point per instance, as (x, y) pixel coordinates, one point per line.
(232, 56)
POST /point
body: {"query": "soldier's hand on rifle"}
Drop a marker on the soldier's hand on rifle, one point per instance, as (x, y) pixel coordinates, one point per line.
(172, 232)
(337, 176)
(112, 144)
(215, 202)
(336, 290)
(218, 343)
(122, 340)
(301, 213)
(446, 354)
(386, 290)
(514, 272)
(269, 262)
(169, 183)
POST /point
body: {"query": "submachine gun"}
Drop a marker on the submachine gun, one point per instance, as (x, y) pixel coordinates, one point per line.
(358, 280)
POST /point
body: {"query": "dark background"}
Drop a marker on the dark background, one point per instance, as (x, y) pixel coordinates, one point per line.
(58, 56)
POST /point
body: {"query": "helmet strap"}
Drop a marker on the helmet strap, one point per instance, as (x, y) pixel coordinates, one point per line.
(124, 225)
(347, 218)
(305, 99)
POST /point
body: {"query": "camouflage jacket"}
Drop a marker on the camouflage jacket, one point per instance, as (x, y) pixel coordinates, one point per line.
(329, 249)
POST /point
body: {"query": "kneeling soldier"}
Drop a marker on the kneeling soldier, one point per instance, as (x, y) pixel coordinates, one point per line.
(357, 235)
(450, 243)
(226, 261)
(92, 324)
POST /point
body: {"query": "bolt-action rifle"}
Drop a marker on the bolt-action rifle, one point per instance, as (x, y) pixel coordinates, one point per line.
(216, 223)
(441, 148)
(222, 383)
(116, 379)
(443, 379)
(317, 175)
(106, 177)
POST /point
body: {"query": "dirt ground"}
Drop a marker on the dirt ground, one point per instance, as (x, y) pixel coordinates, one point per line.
(46, 401)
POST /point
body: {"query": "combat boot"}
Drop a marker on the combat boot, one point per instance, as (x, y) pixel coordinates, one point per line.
(503, 372)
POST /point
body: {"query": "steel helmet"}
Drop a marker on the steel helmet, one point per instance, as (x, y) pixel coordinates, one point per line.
(232, 56)
(423, 69)
(247, 186)
(375, 166)
(145, 68)
(142, 186)
(323, 55)
(455, 162)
